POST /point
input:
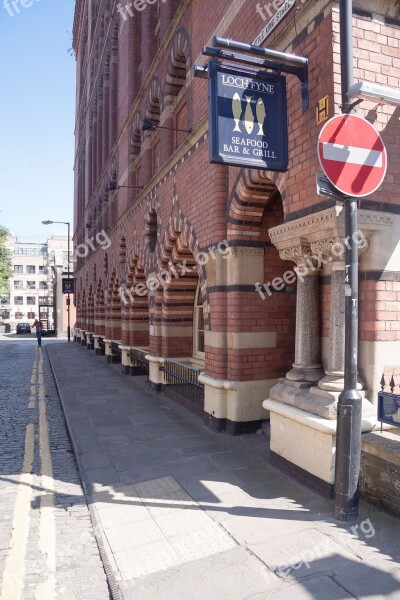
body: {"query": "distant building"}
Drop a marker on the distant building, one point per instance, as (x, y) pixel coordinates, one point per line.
(36, 268)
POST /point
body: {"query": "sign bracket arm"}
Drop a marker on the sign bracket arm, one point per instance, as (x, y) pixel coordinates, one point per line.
(300, 70)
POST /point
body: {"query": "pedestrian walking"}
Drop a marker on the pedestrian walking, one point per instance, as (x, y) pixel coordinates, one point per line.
(39, 329)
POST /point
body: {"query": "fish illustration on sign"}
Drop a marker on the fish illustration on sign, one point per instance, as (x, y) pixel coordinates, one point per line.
(249, 120)
(236, 110)
(261, 114)
(248, 116)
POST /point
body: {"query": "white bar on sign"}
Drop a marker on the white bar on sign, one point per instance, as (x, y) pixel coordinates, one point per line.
(351, 154)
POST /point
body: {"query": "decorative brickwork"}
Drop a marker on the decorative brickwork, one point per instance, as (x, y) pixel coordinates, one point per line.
(169, 211)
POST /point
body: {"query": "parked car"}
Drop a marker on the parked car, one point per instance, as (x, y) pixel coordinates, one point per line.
(23, 328)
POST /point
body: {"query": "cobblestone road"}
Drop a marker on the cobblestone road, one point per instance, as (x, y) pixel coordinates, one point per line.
(47, 545)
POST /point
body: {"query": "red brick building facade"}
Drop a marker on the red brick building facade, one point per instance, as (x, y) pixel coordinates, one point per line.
(189, 240)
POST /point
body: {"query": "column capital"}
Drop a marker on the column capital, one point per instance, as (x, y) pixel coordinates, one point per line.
(297, 253)
(331, 247)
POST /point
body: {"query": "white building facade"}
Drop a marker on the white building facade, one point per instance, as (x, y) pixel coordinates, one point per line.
(34, 267)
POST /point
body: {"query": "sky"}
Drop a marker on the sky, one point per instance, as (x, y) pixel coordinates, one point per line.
(37, 113)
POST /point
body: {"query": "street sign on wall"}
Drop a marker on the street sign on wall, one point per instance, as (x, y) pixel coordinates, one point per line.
(248, 118)
(352, 155)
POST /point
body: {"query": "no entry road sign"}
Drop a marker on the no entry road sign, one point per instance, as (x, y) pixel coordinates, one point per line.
(352, 155)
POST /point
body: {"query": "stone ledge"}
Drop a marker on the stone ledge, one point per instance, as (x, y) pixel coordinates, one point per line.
(323, 408)
(385, 445)
(313, 421)
(320, 403)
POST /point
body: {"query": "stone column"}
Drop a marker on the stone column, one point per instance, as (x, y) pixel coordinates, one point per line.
(307, 366)
(334, 374)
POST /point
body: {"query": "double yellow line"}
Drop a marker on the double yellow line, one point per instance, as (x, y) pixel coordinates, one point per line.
(12, 585)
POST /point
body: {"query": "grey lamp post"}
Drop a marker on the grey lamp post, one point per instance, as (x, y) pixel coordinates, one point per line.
(68, 298)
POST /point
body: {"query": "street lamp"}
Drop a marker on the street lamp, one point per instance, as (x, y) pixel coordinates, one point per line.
(68, 298)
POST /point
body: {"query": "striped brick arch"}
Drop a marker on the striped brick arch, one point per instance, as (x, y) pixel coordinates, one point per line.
(180, 224)
(251, 193)
(78, 322)
(155, 101)
(99, 312)
(122, 253)
(136, 135)
(179, 62)
(90, 311)
(105, 265)
(152, 228)
(174, 300)
(113, 309)
(135, 325)
(83, 310)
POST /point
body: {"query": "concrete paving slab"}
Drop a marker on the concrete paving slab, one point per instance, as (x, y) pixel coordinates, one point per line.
(235, 574)
(251, 529)
(159, 507)
(373, 537)
(302, 554)
(137, 474)
(95, 459)
(157, 488)
(368, 581)
(193, 465)
(320, 588)
(114, 515)
(150, 559)
(210, 487)
(133, 534)
(104, 475)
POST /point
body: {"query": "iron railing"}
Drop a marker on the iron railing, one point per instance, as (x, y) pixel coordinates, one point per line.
(116, 352)
(183, 379)
(102, 346)
(140, 364)
(388, 401)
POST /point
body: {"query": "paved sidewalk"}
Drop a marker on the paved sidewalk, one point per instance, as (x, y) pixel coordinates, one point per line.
(188, 514)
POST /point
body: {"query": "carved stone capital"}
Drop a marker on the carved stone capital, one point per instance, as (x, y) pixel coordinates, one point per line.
(331, 248)
(297, 254)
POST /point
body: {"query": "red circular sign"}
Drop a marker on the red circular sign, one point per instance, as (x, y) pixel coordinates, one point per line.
(352, 155)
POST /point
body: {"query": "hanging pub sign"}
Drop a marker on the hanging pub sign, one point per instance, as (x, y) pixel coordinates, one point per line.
(248, 117)
(68, 285)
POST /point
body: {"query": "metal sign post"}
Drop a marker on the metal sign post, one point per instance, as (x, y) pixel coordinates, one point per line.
(348, 436)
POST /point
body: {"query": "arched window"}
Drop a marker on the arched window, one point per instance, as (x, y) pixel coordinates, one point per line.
(198, 325)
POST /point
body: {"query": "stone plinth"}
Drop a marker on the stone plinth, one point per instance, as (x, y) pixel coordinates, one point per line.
(304, 444)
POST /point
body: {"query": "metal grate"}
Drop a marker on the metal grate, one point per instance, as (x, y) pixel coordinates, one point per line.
(139, 361)
(183, 379)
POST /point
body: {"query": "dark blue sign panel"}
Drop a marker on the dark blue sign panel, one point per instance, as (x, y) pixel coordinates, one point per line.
(68, 286)
(248, 117)
(389, 408)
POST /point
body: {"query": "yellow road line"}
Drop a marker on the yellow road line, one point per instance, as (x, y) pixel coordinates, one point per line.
(13, 576)
(32, 402)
